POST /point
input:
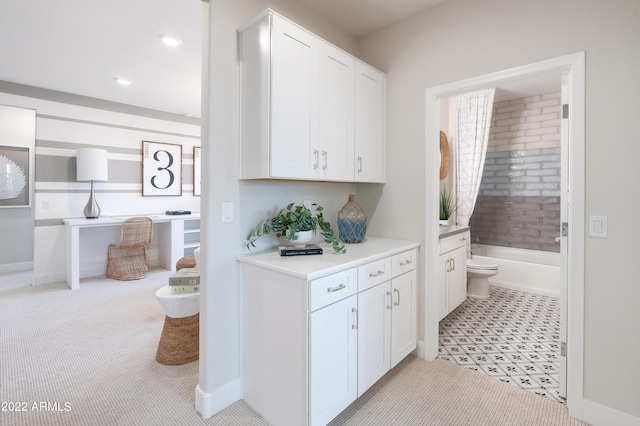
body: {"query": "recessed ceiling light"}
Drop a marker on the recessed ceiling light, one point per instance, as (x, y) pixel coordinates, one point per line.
(171, 41)
(123, 81)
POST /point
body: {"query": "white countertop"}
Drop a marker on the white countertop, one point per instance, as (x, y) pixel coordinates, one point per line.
(316, 266)
(448, 230)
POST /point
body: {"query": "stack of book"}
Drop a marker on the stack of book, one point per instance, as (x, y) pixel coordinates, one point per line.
(305, 250)
(186, 280)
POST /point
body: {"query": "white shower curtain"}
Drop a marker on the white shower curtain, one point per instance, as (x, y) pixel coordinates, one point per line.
(473, 123)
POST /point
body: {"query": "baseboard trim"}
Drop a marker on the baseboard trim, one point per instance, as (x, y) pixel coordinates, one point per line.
(598, 414)
(210, 403)
(419, 350)
(16, 267)
(48, 278)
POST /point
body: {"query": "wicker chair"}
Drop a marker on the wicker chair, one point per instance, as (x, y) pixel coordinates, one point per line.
(128, 260)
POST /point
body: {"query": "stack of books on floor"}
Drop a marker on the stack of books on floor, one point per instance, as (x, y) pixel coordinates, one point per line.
(186, 280)
(306, 250)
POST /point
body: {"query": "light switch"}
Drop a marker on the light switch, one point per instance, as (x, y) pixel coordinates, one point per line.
(598, 226)
(227, 212)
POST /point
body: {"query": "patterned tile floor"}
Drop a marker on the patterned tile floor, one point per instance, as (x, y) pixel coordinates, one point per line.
(513, 336)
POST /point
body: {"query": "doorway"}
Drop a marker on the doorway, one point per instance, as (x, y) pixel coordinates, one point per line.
(570, 69)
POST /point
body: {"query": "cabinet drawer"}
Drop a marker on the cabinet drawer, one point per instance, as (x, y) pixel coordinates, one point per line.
(374, 273)
(327, 290)
(404, 262)
(453, 242)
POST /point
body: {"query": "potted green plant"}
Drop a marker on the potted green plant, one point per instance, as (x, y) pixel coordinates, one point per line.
(293, 220)
(447, 205)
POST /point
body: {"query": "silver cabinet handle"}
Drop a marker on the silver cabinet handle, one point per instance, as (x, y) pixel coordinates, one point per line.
(395, 290)
(324, 156)
(359, 164)
(453, 264)
(354, 311)
(406, 262)
(390, 300)
(338, 288)
(315, 159)
(448, 265)
(376, 274)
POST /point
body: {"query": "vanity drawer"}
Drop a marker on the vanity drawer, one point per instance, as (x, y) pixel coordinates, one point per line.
(327, 290)
(453, 242)
(404, 262)
(374, 273)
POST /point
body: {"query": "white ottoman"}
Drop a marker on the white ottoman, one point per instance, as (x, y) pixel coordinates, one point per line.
(180, 338)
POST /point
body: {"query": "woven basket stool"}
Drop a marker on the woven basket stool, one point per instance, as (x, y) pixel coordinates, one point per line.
(180, 338)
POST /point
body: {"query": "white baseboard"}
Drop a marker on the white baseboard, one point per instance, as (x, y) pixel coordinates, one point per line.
(419, 350)
(48, 278)
(16, 267)
(599, 415)
(210, 403)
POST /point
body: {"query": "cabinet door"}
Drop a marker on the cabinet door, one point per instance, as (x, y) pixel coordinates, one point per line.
(457, 278)
(335, 114)
(374, 319)
(443, 285)
(294, 82)
(333, 351)
(403, 316)
(369, 124)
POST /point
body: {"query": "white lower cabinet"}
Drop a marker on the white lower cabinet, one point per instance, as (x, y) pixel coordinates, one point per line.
(333, 363)
(452, 273)
(303, 365)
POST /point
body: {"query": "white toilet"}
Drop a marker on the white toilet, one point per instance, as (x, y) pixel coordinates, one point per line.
(478, 279)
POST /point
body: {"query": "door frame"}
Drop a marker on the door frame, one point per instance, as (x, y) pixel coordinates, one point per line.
(573, 66)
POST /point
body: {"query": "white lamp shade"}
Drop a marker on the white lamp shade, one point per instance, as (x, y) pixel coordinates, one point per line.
(91, 164)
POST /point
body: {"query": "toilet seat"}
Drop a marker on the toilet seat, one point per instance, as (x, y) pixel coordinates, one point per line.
(481, 267)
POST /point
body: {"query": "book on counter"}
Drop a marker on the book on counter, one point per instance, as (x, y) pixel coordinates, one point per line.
(306, 250)
(185, 276)
(185, 289)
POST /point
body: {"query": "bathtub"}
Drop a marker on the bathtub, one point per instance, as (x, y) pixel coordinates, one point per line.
(527, 270)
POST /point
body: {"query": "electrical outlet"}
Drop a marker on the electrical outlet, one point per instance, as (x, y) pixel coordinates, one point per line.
(46, 205)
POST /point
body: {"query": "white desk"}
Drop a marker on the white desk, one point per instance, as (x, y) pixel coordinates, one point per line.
(171, 240)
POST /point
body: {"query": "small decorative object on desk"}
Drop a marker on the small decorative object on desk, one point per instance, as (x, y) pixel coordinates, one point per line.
(352, 222)
(305, 250)
(185, 276)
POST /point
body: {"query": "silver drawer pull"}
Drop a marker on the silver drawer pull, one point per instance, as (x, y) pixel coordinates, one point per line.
(406, 262)
(354, 325)
(395, 290)
(338, 288)
(376, 274)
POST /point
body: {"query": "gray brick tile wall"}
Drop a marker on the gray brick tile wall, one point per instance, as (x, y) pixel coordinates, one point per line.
(519, 200)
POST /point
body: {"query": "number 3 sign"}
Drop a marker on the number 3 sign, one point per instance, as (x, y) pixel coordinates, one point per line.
(161, 168)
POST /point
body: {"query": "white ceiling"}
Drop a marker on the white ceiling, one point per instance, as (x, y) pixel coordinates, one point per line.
(81, 46)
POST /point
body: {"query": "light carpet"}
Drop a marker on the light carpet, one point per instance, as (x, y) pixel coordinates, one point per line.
(87, 357)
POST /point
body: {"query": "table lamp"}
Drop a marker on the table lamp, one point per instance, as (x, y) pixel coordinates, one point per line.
(91, 165)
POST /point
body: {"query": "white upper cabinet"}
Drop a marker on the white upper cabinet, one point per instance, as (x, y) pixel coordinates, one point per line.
(301, 116)
(369, 124)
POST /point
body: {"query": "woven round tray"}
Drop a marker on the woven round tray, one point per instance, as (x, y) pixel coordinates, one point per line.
(445, 155)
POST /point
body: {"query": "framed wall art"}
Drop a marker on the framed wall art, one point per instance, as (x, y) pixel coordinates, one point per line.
(14, 176)
(197, 171)
(161, 169)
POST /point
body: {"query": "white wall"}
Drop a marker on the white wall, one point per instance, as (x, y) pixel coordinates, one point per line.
(219, 383)
(460, 39)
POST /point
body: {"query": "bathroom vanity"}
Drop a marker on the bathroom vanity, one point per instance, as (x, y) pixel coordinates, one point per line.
(319, 330)
(452, 268)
